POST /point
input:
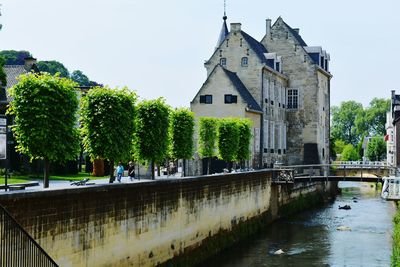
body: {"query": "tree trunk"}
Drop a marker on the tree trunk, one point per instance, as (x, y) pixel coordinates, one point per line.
(208, 165)
(80, 160)
(98, 167)
(184, 167)
(112, 177)
(46, 173)
(152, 170)
(158, 170)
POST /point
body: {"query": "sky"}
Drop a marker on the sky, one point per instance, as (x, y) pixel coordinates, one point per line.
(158, 48)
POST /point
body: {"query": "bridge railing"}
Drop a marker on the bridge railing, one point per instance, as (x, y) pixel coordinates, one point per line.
(17, 247)
(326, 170)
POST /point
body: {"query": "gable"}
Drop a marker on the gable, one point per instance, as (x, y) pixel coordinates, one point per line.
(221, 82)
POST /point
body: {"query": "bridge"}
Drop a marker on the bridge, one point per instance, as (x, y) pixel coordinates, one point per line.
(352, 171)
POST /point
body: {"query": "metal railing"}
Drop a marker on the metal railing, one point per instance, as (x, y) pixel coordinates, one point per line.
(17, 247)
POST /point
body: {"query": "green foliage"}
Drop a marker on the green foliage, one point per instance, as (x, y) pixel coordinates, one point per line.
(343, 122)
(53, 67)
(107, 117)
(376, 116)
(350, 121)
(80, 78)
(349, 153)
(3, 77)
(395, 261)
(13, 57)
(228, 139)
(339, 146)
(245, 135)
(182, 129)
(376, 148)
(151, 138)
(207, 137)
(45, 108)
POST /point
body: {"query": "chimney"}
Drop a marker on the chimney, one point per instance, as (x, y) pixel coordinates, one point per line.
(29, 62)
(297, 30)
(268, 28)
(236, 27)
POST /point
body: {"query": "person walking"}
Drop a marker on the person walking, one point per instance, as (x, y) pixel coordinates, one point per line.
(120, 171)
(131, 171)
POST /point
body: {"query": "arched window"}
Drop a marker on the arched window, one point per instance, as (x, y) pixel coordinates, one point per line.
(245, 61)
(222, 61)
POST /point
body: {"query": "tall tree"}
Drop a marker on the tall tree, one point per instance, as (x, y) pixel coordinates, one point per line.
(80, 78)
(53, 67)
(45, 108)
(151, 137)
(207, 139)
(228, 139)
(376, 148)
(182, 129)
(343, 122)
(107, 117)
(13, 57)
(243, 153)
(376, 115)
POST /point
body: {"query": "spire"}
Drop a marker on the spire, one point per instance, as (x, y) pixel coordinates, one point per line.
(224, 30)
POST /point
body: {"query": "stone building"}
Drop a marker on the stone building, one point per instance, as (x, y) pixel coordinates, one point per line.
(280, 83)
(393, 132)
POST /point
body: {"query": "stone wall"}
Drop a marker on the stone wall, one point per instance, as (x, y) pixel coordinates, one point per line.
(146, 224)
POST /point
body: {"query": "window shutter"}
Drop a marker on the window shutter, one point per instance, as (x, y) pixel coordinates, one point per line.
(202, 99)
(234, 99)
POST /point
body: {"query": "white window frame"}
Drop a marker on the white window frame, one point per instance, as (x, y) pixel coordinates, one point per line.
(293, 96)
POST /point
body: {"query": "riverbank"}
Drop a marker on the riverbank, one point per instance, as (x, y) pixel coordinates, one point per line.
(396, 240)
(325, 236)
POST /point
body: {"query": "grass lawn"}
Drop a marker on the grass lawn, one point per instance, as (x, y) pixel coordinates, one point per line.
(27, 178)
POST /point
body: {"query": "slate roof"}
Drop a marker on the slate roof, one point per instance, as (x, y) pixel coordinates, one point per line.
(12, 72)
(244, 93)
(222, 35)
(296, 35)
(257, 47)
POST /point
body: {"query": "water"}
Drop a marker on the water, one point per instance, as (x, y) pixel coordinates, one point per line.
(312, 239)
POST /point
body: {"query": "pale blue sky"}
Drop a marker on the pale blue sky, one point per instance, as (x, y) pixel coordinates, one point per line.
(158, 47)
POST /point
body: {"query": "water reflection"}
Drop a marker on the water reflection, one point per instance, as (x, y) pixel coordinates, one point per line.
(312, 238)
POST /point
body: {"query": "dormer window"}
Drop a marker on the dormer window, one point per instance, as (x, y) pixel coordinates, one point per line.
(222, 61)
(245, 61)
(278, 67)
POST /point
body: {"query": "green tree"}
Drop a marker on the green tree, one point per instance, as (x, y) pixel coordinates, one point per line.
(228, 139)
(376, 149)
(3, 77)
(349, 153)
(182, 129)
(152, 138)
(339, 146)
(45, 125)
(245, 135)
(80, 78)
(107, 119)
(13, 57)
(343, 122)
(376, 115)
(53, 67)
(207, 139)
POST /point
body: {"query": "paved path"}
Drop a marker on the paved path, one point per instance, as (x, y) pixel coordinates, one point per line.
(56, 184)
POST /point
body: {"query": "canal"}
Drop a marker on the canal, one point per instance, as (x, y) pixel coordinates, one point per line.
(327, 236)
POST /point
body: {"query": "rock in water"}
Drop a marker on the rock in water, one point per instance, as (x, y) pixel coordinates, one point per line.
(279, 252)
(343, 228)
(345, 207)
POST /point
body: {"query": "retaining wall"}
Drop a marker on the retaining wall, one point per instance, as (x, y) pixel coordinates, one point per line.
(168, 222)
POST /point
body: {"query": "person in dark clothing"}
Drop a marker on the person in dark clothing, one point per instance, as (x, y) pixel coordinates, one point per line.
(131, 171)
